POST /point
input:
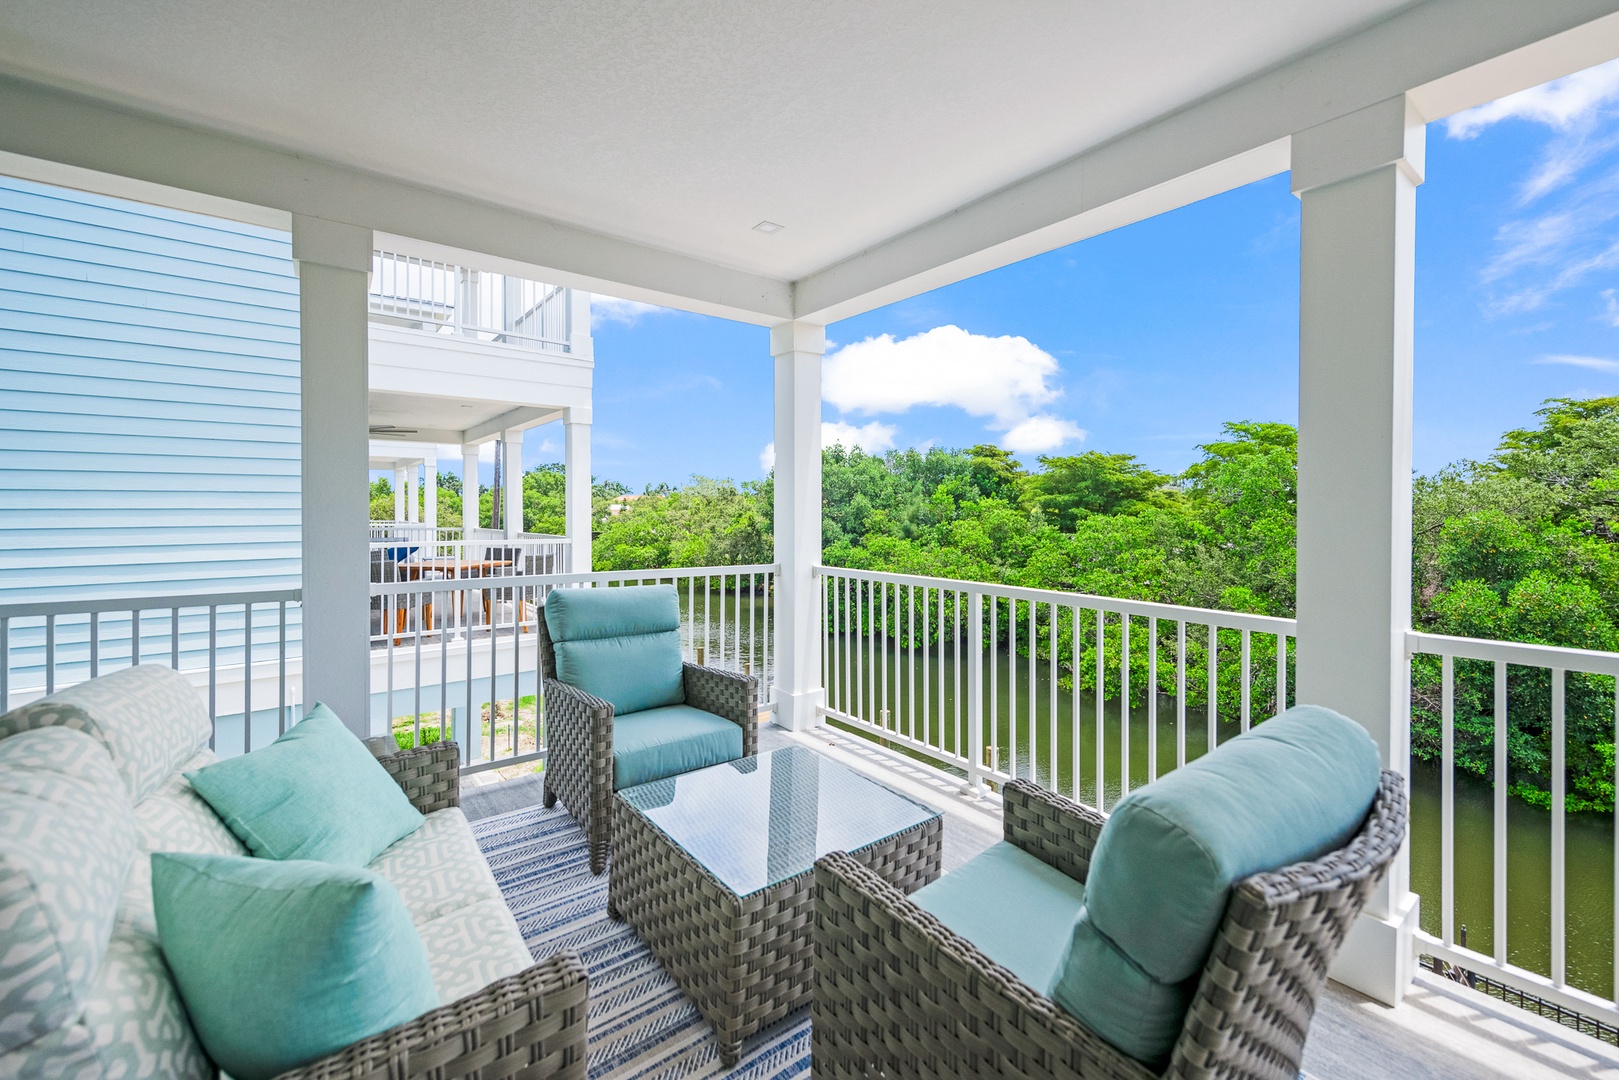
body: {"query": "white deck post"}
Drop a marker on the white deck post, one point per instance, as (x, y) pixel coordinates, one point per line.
(1357, 177)
(413, 496)
(511, 471)
(333, 262)
(430, 491)
(797, 348)
(576, 497)
(399, 492)
(469, 494)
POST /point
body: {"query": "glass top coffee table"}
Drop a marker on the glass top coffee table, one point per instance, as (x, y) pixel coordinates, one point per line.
(715, 869)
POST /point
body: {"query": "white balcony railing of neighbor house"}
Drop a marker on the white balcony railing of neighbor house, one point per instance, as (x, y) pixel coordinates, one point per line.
(459, 658)
(1540, 880)
(443, 298)
(415, 531)
(240, 649)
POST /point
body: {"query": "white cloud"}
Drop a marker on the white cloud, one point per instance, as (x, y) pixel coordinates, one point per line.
(1003, 378)
(1561, 104)
(1594, 363)
(605, 309)
(873, 438)
(1041, 435)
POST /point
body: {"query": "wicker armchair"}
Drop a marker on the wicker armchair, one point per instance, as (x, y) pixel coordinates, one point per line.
(898, 994)
(531, 1024)
(579, 738)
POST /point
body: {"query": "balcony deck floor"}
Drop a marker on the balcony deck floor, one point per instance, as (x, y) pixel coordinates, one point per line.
(1442, 1031)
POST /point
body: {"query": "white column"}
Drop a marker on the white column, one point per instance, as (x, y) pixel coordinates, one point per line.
(512, 472)
(797, 349)
(334, 260)
(576, 496)
(1357, 177)
(413, 495)
(469, 492)
(430, 491)
(400, 486)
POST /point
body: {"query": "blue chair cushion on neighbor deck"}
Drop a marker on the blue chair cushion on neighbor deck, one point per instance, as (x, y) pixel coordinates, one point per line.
(621, 645)
(1291, 789)
(1017, 910)
(657, 743)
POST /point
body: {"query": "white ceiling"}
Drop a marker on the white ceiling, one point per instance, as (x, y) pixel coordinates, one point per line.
(680, 126)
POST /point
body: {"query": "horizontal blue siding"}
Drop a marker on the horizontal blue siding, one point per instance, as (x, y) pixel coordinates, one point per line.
(149, 410)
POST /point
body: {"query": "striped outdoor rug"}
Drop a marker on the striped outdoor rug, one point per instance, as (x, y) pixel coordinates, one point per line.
(641, 1025)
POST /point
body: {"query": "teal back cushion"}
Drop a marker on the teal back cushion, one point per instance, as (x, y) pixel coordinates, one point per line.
(1292, 789)
(315, 793)
(280, 963)
(621, 645)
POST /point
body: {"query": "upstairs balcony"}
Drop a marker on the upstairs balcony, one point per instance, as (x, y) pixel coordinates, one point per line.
(465, 302)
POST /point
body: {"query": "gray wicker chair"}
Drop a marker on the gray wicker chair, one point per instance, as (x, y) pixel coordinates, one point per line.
(532, 1024)
(579, 738)
(898, 994)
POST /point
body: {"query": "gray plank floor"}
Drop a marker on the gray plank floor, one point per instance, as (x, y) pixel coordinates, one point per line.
(1442, 1031)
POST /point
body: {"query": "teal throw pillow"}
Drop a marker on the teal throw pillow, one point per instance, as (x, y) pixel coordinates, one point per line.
(315, 793)
(281, 963)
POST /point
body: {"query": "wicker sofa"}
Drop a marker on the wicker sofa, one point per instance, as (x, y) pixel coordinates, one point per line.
(899, 994)
(122, 743)
(585, 763)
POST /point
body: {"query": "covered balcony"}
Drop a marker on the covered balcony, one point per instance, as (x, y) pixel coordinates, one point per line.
(789, 171)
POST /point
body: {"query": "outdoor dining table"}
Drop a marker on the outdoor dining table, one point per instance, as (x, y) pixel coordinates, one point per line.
(453, 568)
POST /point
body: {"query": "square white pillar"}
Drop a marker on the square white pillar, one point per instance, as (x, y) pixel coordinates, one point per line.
(512, 470)
(334, 260)
(430, 491)
(413, 495)
(469, 493)
(576, 497)
(1357, 178)
(797, 349)
(400, 492)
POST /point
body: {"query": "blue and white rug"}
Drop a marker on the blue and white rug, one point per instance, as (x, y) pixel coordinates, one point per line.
(641, 1025)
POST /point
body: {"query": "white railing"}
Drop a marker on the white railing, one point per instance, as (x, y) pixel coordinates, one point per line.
(972, 676)
(240, 649)
(425, 558)
(444, 298)
(1524, 694)
(418, 531)
(459, 658)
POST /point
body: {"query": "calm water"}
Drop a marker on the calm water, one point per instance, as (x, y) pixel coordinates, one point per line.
(1035, 745)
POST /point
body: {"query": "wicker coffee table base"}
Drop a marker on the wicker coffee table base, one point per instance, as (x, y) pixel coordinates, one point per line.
(743, 960)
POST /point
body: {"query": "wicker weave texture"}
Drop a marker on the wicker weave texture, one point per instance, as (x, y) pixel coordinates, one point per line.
(745, 961)
(898, 994)
(1055, 830)
(531, 1025)
(579, 739)
(429, 775)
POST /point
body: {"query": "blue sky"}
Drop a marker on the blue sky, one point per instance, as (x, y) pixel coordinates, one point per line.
(1145, 340)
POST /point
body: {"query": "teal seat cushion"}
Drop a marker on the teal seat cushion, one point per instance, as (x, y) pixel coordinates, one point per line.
(315, 793)
(1113, 997)
(1017, 910)
(1291, 789)
(621, 645)
(282, 962)
(657, 743)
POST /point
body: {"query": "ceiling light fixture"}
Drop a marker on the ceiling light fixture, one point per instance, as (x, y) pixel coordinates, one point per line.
(768, 227)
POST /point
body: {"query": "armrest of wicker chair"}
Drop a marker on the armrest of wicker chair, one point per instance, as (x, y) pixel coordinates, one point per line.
(1059, 832)
(531, 1024)
(429, 775)
(730, 694)
(898, 993)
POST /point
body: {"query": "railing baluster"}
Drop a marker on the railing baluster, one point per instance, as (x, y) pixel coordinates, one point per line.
(247, 677)
(1447, 797)
(281, 673)
(95, 644)
(1152, 698)
(1559, 826)
(1077, 736)
(1281, 674)
(1212, 713)
(1101, 710)
(135, 637)
(1011, 685)
(1180, 693)
(1034, 693)
(1124, 705)
(1246, 697)
(1500, 868)
(956, 635)
(213, 672)
(174, 638)
(993, 648)
(5, 664)
(927, 670)
(50, 654)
